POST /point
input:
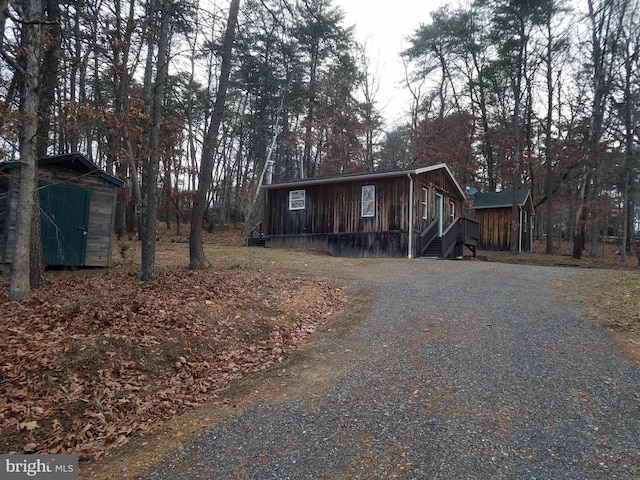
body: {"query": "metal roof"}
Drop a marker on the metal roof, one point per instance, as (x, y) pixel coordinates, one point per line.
(73, 159)
(365, 176)
(500, 199)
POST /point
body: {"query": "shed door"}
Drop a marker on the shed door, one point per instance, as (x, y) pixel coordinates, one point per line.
(64, 220)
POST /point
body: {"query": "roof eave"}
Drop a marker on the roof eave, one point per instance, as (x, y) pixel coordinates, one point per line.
(365, 177)
(92, 167)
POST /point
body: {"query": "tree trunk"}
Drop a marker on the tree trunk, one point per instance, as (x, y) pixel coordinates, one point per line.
(308, 169)
(517, 91)
(487, 146)
(629, 140)
(150, 181)
(20, 286)
(3, 19)
(197, 258)
(548, 144)
(605, 32)
(49, 77)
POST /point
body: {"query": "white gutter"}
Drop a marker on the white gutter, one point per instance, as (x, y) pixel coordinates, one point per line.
(530, 233)
(520, 233)
(410, 255)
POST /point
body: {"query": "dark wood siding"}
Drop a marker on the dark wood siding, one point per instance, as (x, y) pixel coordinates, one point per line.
(4, 211)
(9, 215)
(332, 219)
(495, 228)
(336, 208)
(437, 182)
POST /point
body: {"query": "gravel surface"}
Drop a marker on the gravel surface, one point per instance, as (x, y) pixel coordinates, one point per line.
(463, 370)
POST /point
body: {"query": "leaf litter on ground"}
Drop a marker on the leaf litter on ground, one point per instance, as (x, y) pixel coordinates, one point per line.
(97, 357)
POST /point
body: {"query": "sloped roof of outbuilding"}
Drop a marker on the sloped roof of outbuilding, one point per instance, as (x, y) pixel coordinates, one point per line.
(75, 160)
(502, 199)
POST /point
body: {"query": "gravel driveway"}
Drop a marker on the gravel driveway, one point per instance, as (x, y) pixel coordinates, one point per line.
(463, 370)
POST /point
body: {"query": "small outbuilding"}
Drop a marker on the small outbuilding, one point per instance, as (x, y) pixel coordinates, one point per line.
(404, 213)
(493, 214)
(77, 211)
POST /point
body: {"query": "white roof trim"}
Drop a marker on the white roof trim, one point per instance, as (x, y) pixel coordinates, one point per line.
(366, 177)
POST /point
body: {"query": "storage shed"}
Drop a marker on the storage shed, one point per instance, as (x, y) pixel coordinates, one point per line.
(77, 211)
(493, 213)
(402, 213)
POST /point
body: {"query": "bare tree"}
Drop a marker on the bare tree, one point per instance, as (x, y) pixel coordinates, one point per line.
(605, 18)
(630, 57)
(162, 8)
(370, 86)
(197, 258)
(28, 66)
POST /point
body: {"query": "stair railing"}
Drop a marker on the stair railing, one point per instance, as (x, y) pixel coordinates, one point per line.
(463, 231)
(427, 236)
(451, 237)
(258, 227)
(250, 241)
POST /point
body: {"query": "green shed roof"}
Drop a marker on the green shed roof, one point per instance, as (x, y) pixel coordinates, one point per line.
(500, 199)
(72, 159)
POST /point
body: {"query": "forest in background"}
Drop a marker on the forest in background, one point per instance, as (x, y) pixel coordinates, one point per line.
(177, 96)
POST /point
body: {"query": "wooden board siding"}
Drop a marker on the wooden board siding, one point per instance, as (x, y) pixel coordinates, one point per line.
(353, 245)
(9, 217)
(493, 212)
(332, 219)
(436, 183)
(336, 208)
(101, 224)
(495, 228)
(4, 209)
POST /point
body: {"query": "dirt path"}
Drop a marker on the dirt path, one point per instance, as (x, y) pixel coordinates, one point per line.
(459, 370)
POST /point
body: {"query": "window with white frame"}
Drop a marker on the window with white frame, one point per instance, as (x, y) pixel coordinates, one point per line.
(297, 200)
(368, 205)
(425, 203)
(452, 211)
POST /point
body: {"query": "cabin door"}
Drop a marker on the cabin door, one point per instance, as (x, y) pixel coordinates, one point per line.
(64, 221)
(439, 212)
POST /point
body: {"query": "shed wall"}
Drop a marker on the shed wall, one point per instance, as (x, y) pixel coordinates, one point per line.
(101, 212)
(8, 213)
(495, 228)
(4, 208)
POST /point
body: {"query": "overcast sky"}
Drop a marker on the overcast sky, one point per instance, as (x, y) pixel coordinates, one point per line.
(384, 25)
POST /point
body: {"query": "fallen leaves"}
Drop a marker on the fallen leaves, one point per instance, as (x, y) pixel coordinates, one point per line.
(97, 357)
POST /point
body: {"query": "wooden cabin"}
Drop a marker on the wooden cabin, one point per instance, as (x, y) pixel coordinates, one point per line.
(77, 205)
(493, 214)
(389, 214)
